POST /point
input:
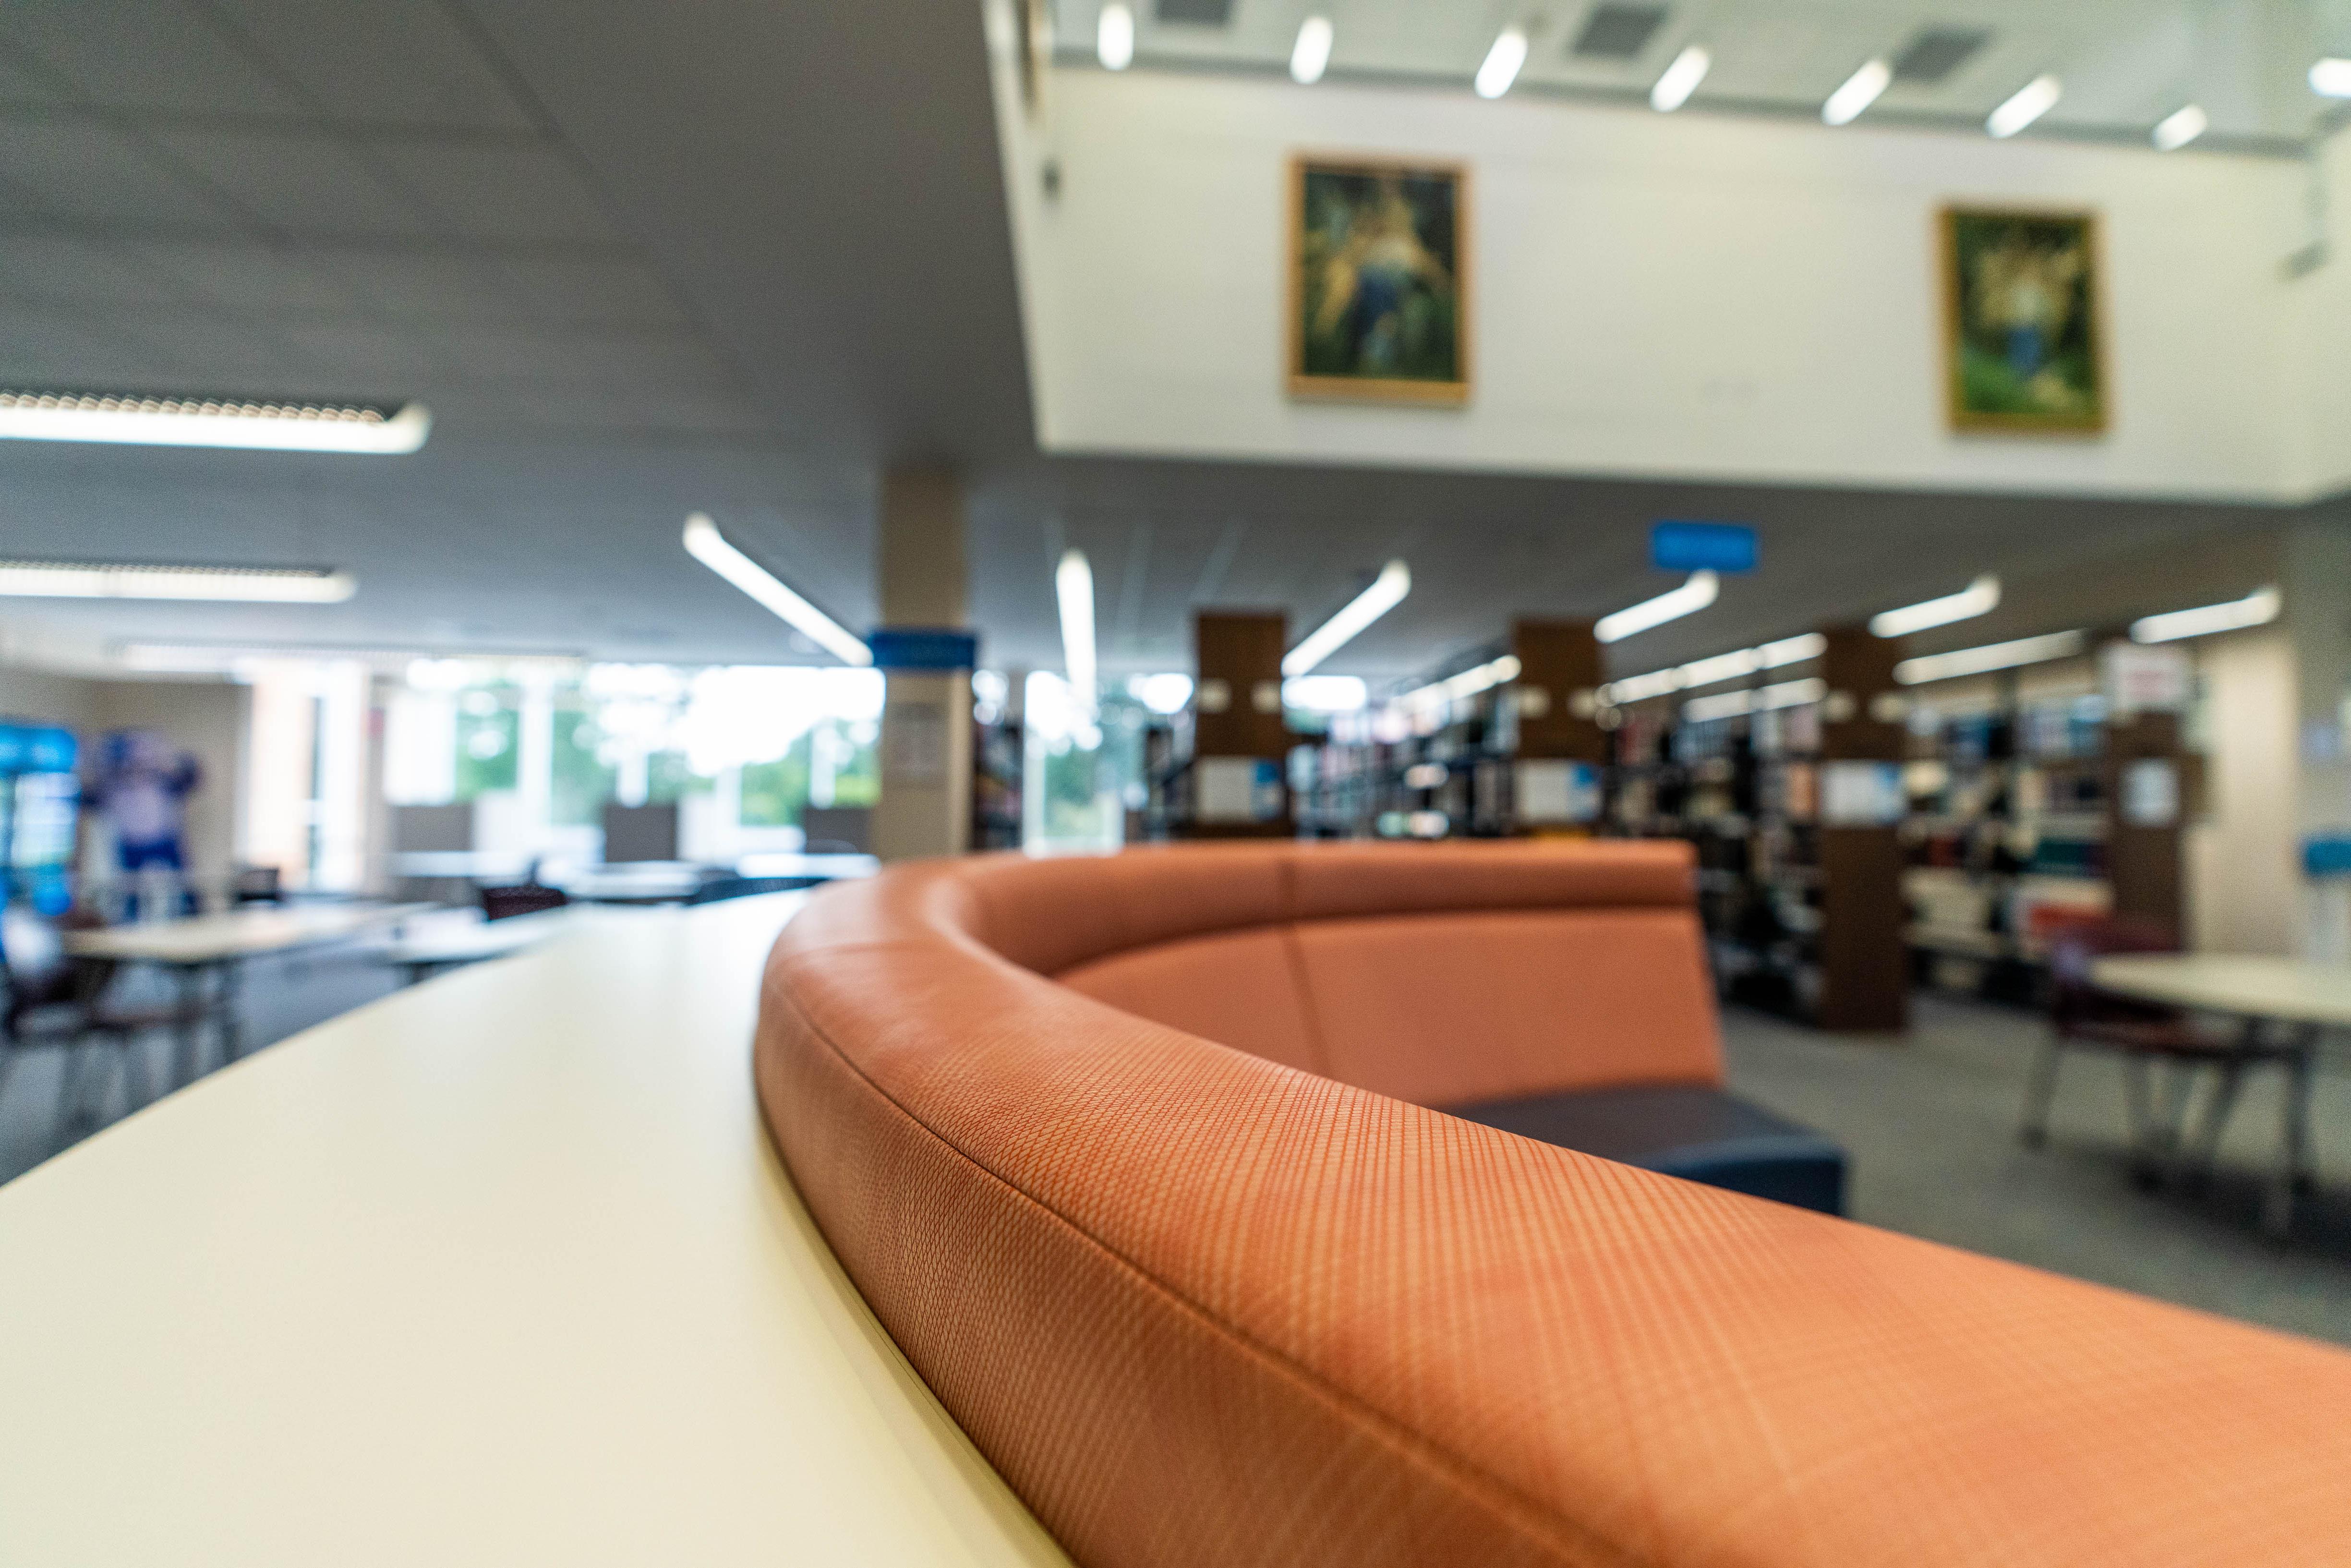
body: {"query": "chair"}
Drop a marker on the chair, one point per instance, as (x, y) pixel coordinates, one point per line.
(521, 898)
(257, 885)
(56, 997)
(2141, 1034)
(719, 889)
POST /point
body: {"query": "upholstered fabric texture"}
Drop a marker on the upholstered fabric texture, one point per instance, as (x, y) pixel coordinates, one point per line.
(1201, 1302)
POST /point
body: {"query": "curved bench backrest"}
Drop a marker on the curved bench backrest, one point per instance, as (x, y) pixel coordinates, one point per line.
(1197, 1306)
(1461, 979)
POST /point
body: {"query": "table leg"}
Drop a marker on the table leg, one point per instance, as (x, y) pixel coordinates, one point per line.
(184, 1027)
(232, 976)
(2294, 1164)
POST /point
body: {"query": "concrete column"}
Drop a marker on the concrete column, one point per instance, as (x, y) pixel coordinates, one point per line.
(926, 805)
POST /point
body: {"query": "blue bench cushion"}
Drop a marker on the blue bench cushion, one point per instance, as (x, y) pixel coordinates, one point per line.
(1683, 1130)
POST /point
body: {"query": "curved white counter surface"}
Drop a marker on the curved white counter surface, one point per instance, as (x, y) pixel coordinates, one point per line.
(501, 1269)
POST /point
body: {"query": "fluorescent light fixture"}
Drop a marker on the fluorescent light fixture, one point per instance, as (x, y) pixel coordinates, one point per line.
(2256, 609)
(1978, 598)
(1680, 80)
(2331, 78)
(1114, 37)
(237, 584)
(1992, 656)
(1479, 679)
(2027, 104)
(129, 419)
(1326, 694)
(1503, 62)
(705, 544)
(1692, 596)
(1721, 667)
(2180, 127)
(1859, 91)
(1730, 704)
(1073, 585)
(1310, 55)
(1792, 650)
(1386, 592)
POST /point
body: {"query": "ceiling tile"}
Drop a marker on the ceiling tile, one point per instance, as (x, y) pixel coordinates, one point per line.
(247, 276)
(303, 182)
(61, 270)
(606, 293)
(227, 354)
(431, 286)
(146, 55)
(384, 61)
(632, 362)
(21, 81)
(518, 191)
(47, 348)
(80, 169)
(367, 360)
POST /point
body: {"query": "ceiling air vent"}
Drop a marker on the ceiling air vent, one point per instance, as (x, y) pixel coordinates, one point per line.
(1936, 53)
(1196, 13)
(1617, 32)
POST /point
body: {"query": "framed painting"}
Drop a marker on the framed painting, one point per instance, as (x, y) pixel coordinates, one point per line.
(1379, 280)
(2023, 321)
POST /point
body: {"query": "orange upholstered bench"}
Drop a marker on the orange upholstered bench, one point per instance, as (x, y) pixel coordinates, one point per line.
(1134, 1156)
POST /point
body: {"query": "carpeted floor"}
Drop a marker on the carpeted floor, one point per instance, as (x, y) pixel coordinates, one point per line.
(1930, 1119)
(1930, 1123)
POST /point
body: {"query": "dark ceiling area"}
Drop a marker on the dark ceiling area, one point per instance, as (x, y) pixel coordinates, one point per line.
(730, 256)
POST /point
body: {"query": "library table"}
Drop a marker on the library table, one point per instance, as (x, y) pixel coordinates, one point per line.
(219, 945)
(2307, 998)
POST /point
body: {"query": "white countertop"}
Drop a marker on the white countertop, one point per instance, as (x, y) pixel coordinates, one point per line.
(498, 1270)
(2249, 984)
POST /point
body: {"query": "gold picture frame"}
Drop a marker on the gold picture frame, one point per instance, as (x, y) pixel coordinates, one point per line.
(2025, 321)
(1379, 303)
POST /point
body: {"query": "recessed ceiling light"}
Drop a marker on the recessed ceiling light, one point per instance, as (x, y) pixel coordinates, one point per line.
(705, 544)
(1312, 54)
(130, 580)
(2180, 128)
(1859, 91)
(1503, 62)
(1680, 80)
(2027, 104)
(1114, 37)
(133, 419)
(2331, 78)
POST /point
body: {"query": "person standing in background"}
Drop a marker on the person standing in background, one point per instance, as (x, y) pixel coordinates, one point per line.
(141, 788)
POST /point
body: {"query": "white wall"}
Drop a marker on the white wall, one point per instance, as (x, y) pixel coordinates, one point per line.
(1681, 296)
(41, 696)
(2320, 334)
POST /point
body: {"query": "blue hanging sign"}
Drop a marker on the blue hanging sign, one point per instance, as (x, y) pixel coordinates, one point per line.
(1702, 547)
(2326, 854)
(934, 649)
